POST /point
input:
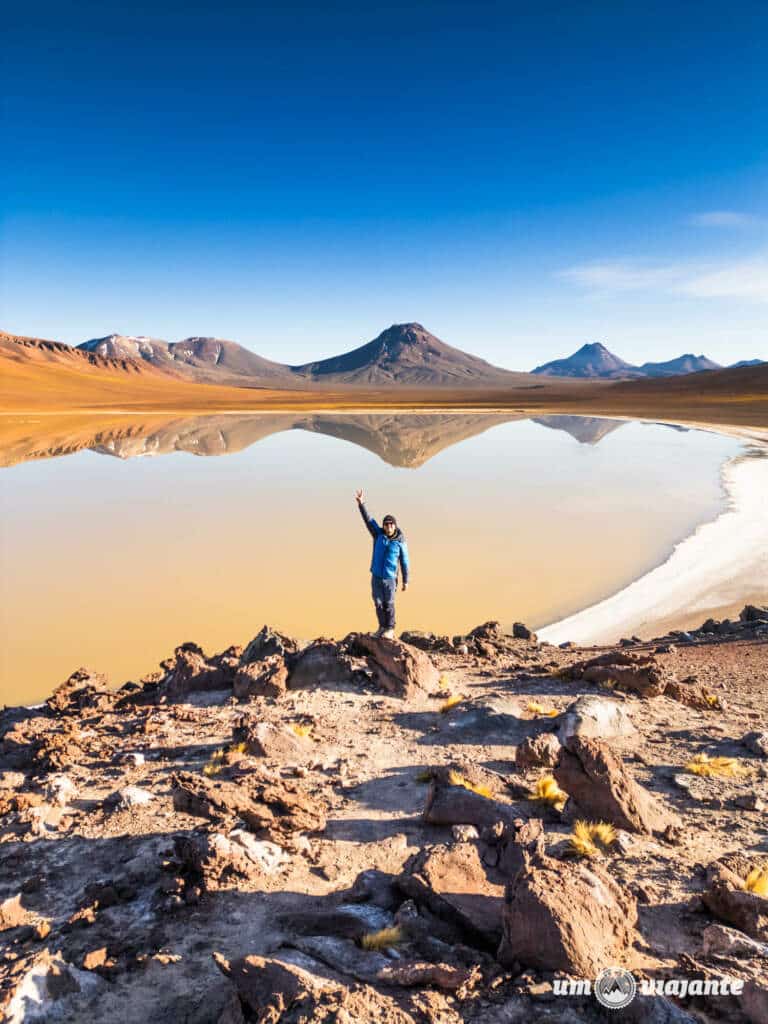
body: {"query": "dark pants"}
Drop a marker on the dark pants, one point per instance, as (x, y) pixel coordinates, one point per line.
(384, 599)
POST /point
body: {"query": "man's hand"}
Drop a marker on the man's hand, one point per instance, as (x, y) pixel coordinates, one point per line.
(359, 497)
(405, 586)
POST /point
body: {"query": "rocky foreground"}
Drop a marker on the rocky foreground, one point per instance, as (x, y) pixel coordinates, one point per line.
(422, 830)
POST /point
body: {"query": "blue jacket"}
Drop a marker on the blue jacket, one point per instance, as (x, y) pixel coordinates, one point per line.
(387, 551)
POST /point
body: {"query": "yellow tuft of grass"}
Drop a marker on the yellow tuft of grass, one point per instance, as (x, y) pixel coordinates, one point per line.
(538, 709)
(608, 684)
(717, 767)
(443, 682)
(590, 837)
(302, 731)
(382, 939)
(452, 701)
(457, 779)
(548, 791)
(214, 766)
(711, 699)
(237, 748)
(757, 881)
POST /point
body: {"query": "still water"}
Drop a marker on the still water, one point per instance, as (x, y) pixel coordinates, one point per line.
(118, 545)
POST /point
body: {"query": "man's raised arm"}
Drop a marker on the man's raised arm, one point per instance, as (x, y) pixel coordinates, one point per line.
(371, 524)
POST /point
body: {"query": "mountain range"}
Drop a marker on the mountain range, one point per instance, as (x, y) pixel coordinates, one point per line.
(404, 354)
(595, 361)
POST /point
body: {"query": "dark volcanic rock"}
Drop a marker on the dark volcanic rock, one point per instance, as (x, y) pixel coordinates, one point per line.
(83, 689)
(601, 788)
(323, 663)
(727, 899)
(565, 916)
(190, 671)
(453, 883)
(399, 669)
(275, 810)
(268, 642)
(264, 678)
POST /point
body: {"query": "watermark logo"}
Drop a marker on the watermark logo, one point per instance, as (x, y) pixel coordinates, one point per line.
(615, 988)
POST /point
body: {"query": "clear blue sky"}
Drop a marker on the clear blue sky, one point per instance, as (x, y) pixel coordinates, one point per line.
(520, 178)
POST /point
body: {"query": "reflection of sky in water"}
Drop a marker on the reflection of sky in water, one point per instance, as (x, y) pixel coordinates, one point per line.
(111, 563)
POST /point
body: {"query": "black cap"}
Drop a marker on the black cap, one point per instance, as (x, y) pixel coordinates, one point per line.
(389, 519)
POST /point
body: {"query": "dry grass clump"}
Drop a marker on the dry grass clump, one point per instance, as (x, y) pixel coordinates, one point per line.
(302, 731)
(443, 682)
(538, 709)
(218, 757)
(457, 779)
(757, 881)
(711, 699)
(548, 791)
(382, 939)
(591, 837)
(717, 767)
(453, 700)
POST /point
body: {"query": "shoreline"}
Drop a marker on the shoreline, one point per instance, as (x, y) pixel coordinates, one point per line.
(717, 566)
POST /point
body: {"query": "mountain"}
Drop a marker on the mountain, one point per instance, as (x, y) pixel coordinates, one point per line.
(126, 346)
(746, 362)
(590, 361)
(596, 361)
(688, 363)
(207, 360)
(407, 354)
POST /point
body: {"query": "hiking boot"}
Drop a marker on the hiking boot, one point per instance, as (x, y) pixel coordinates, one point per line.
(378, 632)
(387, 634)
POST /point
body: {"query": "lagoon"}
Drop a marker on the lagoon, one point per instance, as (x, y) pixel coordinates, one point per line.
(133, 538)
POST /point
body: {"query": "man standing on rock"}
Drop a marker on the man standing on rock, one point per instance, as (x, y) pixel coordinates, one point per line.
(389, 552)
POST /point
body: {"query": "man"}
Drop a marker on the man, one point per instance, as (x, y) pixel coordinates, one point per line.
(389, 552)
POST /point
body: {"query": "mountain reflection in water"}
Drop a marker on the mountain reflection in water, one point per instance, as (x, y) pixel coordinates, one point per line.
(406, 440)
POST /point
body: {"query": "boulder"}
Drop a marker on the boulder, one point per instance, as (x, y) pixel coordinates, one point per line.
(565, 916)
(84, 689)
(130, 797)
(397, 668)
(632, 673)
(538, 751)
(454, 885)
(521, 632)
(756, 743)
(268, 642)
(275, 742)
(265, 677)
(276, 810)
(291, 987)
(726, 898)
(721, 941)
(323, 663)
(456, 805)
(600, 787)
(693, 696)
(215, 859)
(12, 914)
(753, 613)
(427, 641)
(190, 671)
(601, 717)
(60, 790)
